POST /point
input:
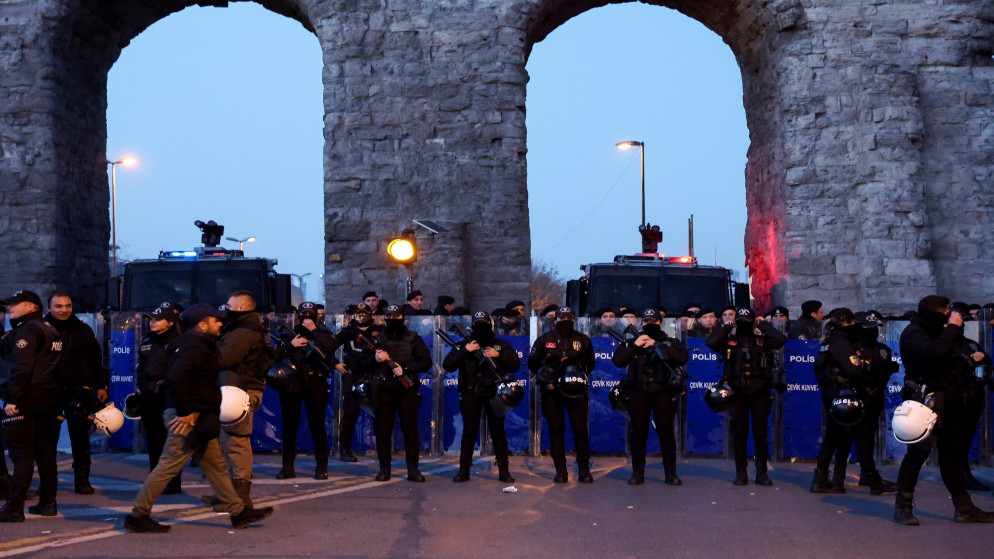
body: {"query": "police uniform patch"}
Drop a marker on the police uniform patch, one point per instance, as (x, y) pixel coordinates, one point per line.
(550, 345)
(577, 345)
(22, 343)
(883, 353)
(854, 360)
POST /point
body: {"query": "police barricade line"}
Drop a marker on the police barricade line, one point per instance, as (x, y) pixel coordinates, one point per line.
(703, 432)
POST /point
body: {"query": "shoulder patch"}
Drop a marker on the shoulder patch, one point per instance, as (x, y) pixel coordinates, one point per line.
(854, 360)
(550, 345)
(21, 343)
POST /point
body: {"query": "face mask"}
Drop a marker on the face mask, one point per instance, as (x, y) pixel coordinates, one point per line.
(852, 329)
(869, 333)
(395, 325)
(232, 316)
(564, 326)
(366, 320)
(482, 331)
(652, 330)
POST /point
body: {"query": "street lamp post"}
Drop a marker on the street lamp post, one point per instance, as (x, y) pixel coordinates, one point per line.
(113, 203)
(641, 145)
(241, 242)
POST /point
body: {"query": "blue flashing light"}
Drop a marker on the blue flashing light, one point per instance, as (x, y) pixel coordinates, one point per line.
(180, 254)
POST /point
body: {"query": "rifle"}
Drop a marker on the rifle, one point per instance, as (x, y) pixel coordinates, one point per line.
(404, 380)
(675, 377)
(480, 356)
(285, 335)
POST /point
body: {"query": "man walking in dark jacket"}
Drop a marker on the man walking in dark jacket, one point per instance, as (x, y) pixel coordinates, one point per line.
(193, 400)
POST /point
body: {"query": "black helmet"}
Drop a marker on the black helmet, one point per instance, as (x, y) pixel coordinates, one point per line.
(718, 396)
(573, 383)
(847, 409)
(363, 391)
(132, 406)
(281, 375)
(509, 395)
(618, 396)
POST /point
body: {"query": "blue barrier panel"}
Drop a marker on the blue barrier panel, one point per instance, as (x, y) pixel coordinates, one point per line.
(516, 422)
(802, 409)
(122, 380)
(267, 424)
(607, 427)
(893, 450)
(452, 425)
(705, 429)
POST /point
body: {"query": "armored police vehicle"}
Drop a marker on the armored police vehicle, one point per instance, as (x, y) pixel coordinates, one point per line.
(205, 274)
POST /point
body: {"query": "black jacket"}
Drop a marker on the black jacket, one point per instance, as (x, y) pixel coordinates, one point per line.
(646, 369)
(748, 358)
(153, 361)
(192, 382)
(31, 350)
(81, 363)
(805, 328)
(558, 351)
(308, 361)
(927, 350)
(408, 350)
(245, 350)
(475, 373)
(358, 357)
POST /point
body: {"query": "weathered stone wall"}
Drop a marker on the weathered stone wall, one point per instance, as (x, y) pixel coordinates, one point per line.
(868, 179)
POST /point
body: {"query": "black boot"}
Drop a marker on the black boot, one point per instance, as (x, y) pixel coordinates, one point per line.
(821, 484)
(839, 474)
(249, 515)
(83, 486)
(143, 525)
(503, 473)
(5, 482)
(670, 477)
(44, 509)
(321, 469)
(561, 475)
(762, 478)
(903, 513)
(243, 488)
(383, 474)
(462, 475)
(583, 475)
(966, 511)
(638, 475)
(415, 475)
(346, 455)
(13, 511)
(879, 485)
(741, 477)
(287, 471)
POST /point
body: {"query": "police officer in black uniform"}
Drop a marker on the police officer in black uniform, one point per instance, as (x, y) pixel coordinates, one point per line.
(969, 356)
(653, 358)
(871, 387)
(929, 360)
(82, 381)
(838, 367)
(31, 351)
(560, 361)
(481, 360)
(153, 366)
(747, 348)
(360, 363)
(400, 355)
(311, 354)
(5, 479)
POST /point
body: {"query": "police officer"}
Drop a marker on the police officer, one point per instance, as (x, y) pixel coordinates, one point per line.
(838, 366)
(31, 351)
(652, 360)
(193, 400)
(153, 365)
(808, 327)
(871, 387)
(5, 478)
(969, 356)
(560, 361)
(360, 362)
(481, 360)
(245, 356)
(311, 353)
(747, 348)
(929, 360)
(400, 355)
(82, 381)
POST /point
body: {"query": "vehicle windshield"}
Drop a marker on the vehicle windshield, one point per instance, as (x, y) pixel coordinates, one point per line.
(149, 284)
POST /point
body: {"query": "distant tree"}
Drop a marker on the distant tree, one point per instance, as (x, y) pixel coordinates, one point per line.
(547, 285)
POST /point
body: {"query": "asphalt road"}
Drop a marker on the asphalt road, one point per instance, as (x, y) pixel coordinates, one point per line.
(350, 515)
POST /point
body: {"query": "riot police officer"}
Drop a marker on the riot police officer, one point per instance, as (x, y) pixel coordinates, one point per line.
(655, 383)
(747, 348)
(481, 360)
(970, 359)
(31, 351)
(838, 366)
(400, 355)
(360, 361)
(150, 373)
(560, 361)
(82, 381)
(311, 354)
(871, 388)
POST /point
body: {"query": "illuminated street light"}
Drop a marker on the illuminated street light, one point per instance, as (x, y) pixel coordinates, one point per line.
(126, 161)
(403, 249)
(241, 242)
(641, 145)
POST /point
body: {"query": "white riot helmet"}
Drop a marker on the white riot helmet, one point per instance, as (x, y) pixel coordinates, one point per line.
(108, 420)
(913, 421)
(234, 405)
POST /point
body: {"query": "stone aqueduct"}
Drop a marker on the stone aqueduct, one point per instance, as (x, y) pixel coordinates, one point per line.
(870, 175)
